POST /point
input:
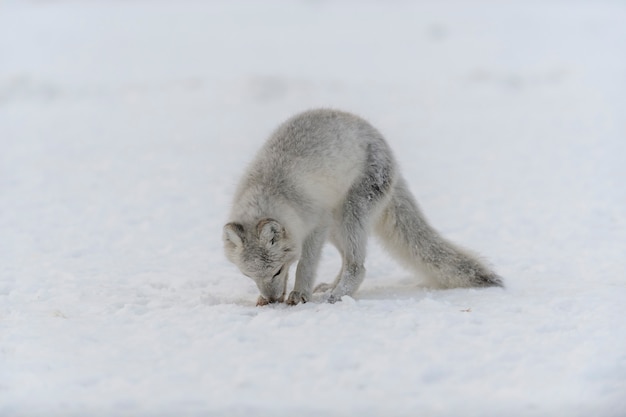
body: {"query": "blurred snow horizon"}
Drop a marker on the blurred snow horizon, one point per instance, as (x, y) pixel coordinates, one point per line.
(124, 127)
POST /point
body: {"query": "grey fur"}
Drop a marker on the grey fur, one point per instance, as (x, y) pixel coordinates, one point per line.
(329, 175)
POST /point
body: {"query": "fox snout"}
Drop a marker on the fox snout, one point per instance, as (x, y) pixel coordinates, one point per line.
(272, 291)
(262, 301)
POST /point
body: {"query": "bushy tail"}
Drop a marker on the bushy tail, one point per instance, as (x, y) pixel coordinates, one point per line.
(410, 239)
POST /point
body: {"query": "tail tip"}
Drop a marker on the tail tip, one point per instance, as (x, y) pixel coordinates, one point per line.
(492, 280)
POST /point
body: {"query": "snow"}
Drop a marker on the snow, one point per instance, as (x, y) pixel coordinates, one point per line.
(125, 125)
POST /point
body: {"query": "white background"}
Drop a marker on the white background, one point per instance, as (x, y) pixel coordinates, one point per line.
(125, 125)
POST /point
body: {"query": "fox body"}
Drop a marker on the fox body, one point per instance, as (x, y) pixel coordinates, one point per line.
(326, 175)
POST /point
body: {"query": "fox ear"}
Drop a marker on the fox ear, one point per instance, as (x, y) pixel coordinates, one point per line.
(270, 231)
(233, 235)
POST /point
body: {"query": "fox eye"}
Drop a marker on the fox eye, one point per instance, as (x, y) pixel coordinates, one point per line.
(278, 273)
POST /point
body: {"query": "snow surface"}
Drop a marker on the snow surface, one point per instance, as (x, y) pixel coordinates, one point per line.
(125, 125)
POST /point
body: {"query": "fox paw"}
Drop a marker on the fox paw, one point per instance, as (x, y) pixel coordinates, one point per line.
(297, 297)
(332, 299)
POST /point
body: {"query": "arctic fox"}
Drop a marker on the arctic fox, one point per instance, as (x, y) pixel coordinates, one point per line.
(330, 175)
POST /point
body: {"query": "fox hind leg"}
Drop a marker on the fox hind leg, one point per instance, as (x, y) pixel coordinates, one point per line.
(363, 203)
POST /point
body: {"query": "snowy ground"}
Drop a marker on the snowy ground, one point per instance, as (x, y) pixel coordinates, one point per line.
(125, 125)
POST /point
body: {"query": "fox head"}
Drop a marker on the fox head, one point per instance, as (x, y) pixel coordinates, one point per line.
(263, 252)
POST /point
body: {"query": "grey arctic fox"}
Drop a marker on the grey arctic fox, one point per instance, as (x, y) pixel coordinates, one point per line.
(330, 175)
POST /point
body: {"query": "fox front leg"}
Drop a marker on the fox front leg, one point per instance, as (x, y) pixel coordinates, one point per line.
(307, 267)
